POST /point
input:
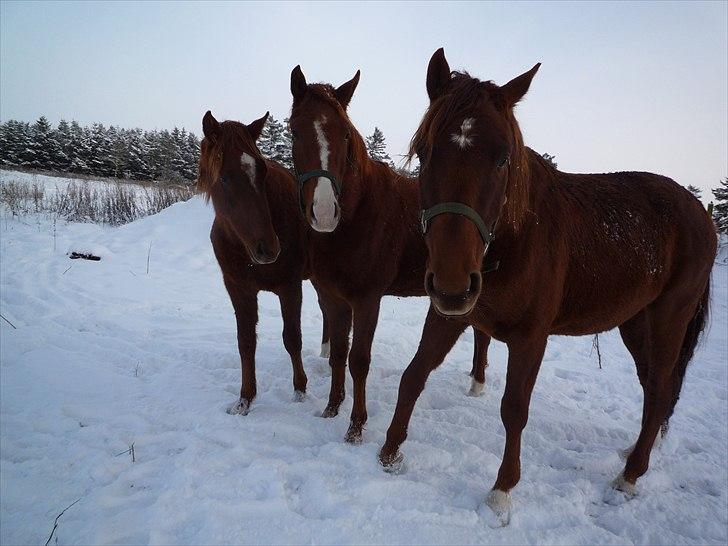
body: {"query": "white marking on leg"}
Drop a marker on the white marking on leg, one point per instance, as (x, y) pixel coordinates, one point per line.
(248, 164)
(464, 139)
(620, 484)
(325, 350)
(476, 388)
(324, 198)
(500, 502)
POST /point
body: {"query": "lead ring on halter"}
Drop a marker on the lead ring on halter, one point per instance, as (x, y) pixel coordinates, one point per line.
(457, 208)
(305, 177)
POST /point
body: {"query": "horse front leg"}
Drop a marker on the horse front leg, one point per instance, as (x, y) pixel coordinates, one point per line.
(246, 316)
(325, 336)
(438, 337)
(480, 362)
(524, 361)
(338, 315)
(366, 314)
(290, 298)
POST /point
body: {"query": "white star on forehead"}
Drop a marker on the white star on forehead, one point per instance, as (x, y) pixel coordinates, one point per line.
(464, 139)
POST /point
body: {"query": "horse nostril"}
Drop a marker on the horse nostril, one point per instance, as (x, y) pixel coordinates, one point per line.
(260, 251)
(311, 213)
(430, 282)
(476, 280)
(336, 209)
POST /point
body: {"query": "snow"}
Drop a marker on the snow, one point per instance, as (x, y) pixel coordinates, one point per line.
(105, 356)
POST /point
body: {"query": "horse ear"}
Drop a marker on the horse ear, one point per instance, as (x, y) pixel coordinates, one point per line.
(346, 90)
(256, 127)
(298, 83)
(515, 89)
(438, 74)
(210, 127)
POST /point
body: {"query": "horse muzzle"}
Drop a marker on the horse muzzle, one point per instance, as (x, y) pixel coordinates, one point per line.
(454, 304)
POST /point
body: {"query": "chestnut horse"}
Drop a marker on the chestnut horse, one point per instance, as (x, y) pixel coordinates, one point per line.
(366, 241)
(258, 238)
(577, 253)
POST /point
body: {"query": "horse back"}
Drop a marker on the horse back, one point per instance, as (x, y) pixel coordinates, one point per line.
(627, 237)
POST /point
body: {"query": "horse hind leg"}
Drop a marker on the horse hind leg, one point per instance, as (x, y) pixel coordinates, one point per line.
(480, 363)
(636, 337)
(673, 334)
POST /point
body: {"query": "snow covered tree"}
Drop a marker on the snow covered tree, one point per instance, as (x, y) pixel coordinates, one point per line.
(720, 208)
(377, 147)
(45, 152)
(695, 191)
(62, 136)
(275, 142)
(14, 143)
(551, 159)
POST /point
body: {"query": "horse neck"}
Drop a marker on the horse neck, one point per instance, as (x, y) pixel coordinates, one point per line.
(281, 192)
(527, 194)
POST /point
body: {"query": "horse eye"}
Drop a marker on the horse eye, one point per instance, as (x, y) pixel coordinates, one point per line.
(223, 180)
(502, 162)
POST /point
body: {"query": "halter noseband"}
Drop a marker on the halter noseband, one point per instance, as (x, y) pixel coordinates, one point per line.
(463, 210)
(305, 177)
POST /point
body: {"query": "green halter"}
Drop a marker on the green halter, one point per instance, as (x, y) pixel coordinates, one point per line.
(457, 208)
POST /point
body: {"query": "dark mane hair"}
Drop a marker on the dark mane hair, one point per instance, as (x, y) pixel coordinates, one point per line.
(325, 92)
(211, 153)
(463, 94)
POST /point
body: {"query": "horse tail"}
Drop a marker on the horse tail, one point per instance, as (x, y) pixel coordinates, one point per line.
(692, 336)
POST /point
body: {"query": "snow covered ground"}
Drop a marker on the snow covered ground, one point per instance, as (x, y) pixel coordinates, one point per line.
(105, 356)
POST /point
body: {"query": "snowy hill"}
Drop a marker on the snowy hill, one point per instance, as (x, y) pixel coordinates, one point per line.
(105, 356)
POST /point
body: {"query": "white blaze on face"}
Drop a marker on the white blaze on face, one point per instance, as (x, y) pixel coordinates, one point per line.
(248, 164)
(324, 198)
(464, 139)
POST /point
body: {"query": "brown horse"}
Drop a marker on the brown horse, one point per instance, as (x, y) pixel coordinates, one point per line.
(366, 242)
(258, 238)
(577, 254)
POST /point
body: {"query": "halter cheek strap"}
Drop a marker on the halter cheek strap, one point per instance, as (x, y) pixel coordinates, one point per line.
(305, 177)
(457, 208)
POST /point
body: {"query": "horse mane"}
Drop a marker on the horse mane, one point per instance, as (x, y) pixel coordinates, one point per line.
(211, 153)
(325, 92)
(463, 94)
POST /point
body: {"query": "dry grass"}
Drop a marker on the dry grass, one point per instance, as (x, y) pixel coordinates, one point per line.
(112, 203)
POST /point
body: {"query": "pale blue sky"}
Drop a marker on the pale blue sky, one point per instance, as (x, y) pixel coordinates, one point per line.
(623, 86)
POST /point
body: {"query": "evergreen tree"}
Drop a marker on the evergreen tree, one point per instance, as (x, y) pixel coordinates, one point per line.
(275, 142)
(695, 191)
(14, 141)
(79, 151)
(41, 148)
(377, 147)
(129, 153)
(63, 139)
(551, 159)
(720, 209)
(100, 162)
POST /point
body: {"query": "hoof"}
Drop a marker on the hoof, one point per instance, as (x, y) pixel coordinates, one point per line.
(325, 350)
(499, 503)
(355, 434)
(620, 491)
(476, 388)
(330, 411)
(393, 464)
(299, 396)
(241, 407)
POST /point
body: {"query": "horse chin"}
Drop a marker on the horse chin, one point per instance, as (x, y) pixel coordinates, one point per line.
(451, 309)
